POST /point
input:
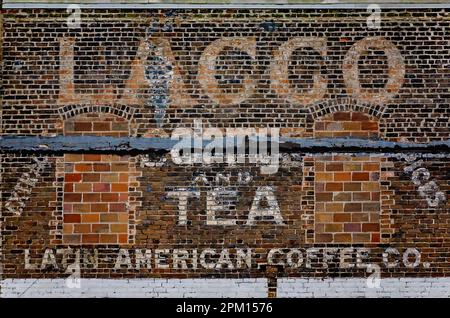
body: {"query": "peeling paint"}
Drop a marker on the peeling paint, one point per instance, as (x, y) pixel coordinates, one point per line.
(159, 74)
(429, 190)
(22, 191)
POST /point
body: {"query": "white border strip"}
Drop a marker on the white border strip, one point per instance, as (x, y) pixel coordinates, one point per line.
(404, 287)
(221, 287)
(136, 288)
(319, 6)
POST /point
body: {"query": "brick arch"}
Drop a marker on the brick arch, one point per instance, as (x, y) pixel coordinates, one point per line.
(346, 124)
(97, 124)
(348, 206)
(125, 112)
(69, 112)
(346, 105)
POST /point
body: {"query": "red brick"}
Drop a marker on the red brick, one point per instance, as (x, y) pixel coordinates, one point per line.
(369, 126)
(342, 238)
(371, 207)
(72, 177)
(324, 217)
(352, 207)
(360, 116)
(73, 157)
(371, 166)
(360, 217)
(90, 218)
(100, 228)
(83, 126)
(72, 197)
(334, 207)
(72, 239)
(352, 227)
(360, 176)
(83, 187)
(123, 238)
(91, 197)
(82, 228)
(99, 207)
(352, 186)
(352, 125)
(361, 237)
(335, 166)
(101, 167)
(92, 157)
(109, 238)
(101, 187)
(119, 187)
(342, 217)
(361, 196)
(375, 238)
(333, 227)
(370, 227)
(342, 176)
(325, 196)
(342, 196)
(119, 228)
(83, 167)
(90, 238)
(72, 218)
(342, 116)
(323, 238)
(82, 207)
(91, 177)
(117, 207)
(119, 167)
(334, 186)
(102, 126)
(108, 217)
(68, 187)
(109, 177)
(109, 197)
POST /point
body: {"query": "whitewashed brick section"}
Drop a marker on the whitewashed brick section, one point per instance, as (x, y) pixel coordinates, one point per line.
(357, 287)
(139, 288)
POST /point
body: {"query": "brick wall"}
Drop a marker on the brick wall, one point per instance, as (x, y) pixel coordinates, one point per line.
(137, 74)
(347, 189)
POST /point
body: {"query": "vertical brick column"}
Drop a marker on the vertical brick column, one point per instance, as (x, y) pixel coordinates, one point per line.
(347, 188)
(96, 185)
(347, 194)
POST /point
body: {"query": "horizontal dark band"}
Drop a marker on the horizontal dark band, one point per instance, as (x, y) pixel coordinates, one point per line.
(62, 144)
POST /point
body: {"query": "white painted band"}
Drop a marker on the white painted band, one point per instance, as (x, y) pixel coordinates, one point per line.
(241, 288)
(135, 288)
(28, 5)
(436, 287)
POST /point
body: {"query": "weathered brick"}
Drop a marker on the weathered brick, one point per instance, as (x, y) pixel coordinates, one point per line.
(117, 77)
